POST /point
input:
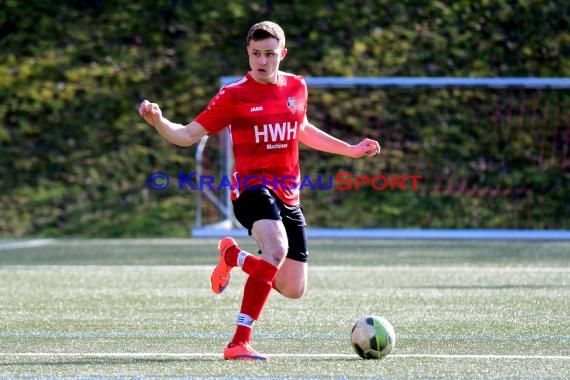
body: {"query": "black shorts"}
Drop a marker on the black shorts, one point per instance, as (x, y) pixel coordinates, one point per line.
(262, 203)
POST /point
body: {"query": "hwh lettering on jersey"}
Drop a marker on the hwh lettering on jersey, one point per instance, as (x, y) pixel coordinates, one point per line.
(275, 132)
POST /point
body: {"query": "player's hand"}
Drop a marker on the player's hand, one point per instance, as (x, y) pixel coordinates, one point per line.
(366, 147)
(150, 112)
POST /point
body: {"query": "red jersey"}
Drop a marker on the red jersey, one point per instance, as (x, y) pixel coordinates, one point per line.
(264, 121)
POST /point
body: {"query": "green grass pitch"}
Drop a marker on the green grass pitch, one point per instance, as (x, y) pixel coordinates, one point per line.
(143, 308)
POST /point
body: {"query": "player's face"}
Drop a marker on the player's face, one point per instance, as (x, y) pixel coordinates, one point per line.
(264, 58)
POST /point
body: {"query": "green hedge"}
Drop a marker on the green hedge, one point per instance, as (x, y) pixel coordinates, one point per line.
(75, 155)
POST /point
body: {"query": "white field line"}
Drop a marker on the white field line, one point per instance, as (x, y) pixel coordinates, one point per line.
(320, 268)
(195, 355)
(26, 244)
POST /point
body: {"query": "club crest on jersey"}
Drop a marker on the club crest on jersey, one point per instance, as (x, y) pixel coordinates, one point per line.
(292, 104)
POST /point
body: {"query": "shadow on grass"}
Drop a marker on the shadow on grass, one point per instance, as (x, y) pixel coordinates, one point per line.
(151, 361)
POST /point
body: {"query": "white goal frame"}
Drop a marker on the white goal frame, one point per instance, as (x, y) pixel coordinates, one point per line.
(229, 225)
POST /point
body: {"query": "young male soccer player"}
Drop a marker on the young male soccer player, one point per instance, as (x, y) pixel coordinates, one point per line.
(266, 114)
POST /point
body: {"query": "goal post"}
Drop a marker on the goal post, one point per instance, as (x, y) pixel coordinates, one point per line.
(221, 200)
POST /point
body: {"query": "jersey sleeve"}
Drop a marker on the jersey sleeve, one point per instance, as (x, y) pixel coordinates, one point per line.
(218, 114)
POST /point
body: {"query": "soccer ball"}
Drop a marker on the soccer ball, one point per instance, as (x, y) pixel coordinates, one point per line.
(373, 337)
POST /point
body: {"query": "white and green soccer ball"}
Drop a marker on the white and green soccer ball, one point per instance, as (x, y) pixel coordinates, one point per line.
(373, 337)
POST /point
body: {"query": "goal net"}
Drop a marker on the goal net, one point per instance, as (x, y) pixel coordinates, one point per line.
(491, 153)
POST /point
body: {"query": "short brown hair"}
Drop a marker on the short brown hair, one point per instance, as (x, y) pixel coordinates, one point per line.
(266, 29)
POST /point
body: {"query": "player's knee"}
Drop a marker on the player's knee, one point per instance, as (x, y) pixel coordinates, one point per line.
(275, 255)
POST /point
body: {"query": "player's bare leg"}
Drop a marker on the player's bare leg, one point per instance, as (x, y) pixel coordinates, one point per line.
(271, 238)
(291, 280)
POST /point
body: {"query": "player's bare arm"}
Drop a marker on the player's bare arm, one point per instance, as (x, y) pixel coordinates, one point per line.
(178, 134)
(318, 139)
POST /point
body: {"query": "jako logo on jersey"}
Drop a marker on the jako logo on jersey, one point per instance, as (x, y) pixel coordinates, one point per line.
(275, 132)
(256, 109)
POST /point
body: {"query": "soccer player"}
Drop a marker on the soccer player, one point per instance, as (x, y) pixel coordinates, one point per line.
(265, 112)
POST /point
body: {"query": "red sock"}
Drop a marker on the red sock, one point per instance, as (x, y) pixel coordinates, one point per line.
(255, 294)
(250, 263)
(232, 255)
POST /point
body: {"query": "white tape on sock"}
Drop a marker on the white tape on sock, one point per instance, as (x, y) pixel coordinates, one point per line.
(242, 255)
(244, 320)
